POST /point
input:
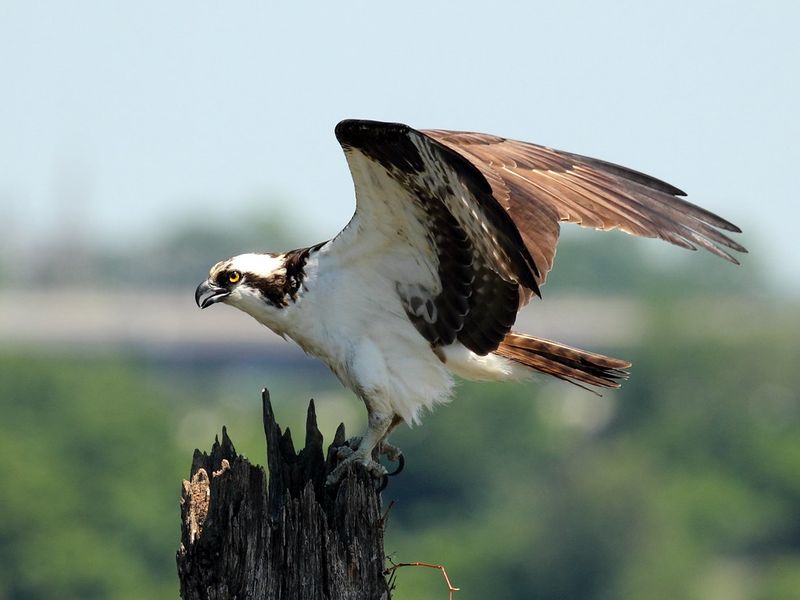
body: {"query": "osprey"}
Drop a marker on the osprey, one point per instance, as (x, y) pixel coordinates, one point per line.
(453, 233)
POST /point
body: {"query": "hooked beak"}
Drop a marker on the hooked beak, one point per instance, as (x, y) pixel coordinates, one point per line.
(207, 294)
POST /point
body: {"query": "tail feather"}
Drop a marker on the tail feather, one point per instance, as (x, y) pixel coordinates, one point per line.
(566, 363)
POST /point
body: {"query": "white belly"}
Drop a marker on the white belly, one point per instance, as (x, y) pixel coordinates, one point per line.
(360, 330)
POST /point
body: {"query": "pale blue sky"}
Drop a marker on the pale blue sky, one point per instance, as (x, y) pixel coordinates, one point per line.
(124, 118)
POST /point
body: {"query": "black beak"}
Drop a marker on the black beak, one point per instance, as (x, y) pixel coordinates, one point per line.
(207, 294)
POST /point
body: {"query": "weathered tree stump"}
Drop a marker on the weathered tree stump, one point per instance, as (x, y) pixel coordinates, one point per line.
(291, 538)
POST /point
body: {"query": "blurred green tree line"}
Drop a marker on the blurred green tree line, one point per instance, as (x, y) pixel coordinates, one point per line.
(683, 484)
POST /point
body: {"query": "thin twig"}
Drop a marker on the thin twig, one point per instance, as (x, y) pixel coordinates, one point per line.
(450, 587)
(385, 516)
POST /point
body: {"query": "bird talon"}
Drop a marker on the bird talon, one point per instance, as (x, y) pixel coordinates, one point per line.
(401, 462)
(384, 482)
(354, 442)
(344, 451)
(349, 456)
(394, 454)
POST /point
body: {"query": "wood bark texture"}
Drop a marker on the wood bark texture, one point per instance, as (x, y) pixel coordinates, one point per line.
(288, 538)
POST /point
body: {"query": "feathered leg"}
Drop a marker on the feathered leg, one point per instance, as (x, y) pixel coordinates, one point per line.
(368, 369)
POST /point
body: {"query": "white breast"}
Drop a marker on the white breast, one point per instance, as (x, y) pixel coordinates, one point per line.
(349, 314)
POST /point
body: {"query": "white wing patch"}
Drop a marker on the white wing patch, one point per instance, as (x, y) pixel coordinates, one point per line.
(388, 224)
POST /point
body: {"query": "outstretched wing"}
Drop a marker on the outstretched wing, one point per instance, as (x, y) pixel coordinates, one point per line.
(539, 187)
(456, 256)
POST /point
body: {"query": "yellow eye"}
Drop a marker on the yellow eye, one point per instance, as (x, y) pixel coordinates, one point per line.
(234, 276)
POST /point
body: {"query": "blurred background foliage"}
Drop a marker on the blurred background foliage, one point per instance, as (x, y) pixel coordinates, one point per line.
(683, 484)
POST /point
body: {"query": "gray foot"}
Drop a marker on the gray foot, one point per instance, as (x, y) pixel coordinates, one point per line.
(394, 454)
(349, 457)
(390, 451)
(351, 452)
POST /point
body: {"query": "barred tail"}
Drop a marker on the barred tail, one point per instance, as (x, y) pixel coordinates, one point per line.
(566, 363)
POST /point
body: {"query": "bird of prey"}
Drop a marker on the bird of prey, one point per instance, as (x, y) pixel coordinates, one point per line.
(452, 234)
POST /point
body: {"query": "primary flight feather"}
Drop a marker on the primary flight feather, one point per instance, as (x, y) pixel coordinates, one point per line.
(453, 232)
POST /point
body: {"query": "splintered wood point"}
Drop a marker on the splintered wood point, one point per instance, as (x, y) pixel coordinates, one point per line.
(244, 535)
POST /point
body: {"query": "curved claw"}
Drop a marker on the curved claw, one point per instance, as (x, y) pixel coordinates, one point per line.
(384, 483)
(401, 462)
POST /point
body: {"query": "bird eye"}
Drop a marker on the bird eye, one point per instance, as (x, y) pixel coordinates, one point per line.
(234, 276)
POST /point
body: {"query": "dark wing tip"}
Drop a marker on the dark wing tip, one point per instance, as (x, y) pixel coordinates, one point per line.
(357, 132)
(728, 226)
(625, 173)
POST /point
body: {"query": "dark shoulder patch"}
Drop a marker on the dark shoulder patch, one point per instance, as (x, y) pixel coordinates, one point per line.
(282, 287)
(295, 264)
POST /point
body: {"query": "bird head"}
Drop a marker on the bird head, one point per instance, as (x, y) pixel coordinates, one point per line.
(254, 283)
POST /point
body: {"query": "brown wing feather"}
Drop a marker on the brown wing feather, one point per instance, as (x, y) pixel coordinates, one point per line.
(540, 186)
(562, 361)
